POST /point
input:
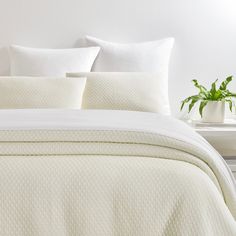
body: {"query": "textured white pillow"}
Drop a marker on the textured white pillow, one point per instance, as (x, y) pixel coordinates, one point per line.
(50, 62)
(150, 56)
(31, 92)
(125, 91)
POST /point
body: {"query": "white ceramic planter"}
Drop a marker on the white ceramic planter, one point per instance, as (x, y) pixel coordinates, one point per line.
(214, 112)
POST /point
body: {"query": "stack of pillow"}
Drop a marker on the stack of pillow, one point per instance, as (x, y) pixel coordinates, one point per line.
(123, 77)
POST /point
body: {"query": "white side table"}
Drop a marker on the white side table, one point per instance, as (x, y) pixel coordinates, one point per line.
(223, 139)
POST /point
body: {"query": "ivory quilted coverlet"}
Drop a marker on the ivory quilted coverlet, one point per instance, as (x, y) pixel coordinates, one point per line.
(68, 172)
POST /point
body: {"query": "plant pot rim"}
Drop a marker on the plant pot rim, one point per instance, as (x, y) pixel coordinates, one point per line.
(216, 101)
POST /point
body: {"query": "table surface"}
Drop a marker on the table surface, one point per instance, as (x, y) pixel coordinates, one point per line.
(229, 126)
(221, 137)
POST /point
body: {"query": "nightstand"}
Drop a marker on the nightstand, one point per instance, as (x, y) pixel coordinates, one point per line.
(223, 139)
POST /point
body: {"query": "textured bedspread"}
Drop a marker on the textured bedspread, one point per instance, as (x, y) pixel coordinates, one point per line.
(67, 172)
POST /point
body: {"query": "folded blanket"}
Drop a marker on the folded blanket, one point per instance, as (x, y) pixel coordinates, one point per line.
(168, 144)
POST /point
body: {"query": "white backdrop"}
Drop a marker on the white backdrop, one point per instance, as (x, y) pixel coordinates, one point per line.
(205, 31)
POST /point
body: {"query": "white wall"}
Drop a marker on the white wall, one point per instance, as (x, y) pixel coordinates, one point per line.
(205, 31)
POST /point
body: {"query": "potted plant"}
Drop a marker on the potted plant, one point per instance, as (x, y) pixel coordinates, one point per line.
(212, 102)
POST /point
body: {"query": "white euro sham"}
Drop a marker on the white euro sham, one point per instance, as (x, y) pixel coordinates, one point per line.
(150, 56)
(50, 62)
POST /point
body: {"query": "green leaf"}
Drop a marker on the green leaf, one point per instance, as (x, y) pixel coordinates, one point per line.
(182, 106)
(200, 87)
(230, 104)
(229, 94)
(213, 88)
(191, 105)
(225, 93)
(187, 100)
(225, 83)
(218, 95)
(184, 102)
(202, 105)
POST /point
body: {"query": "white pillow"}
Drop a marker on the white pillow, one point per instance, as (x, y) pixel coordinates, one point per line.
(31, 92)
(50, 62)
(125, 91)
(137, 57)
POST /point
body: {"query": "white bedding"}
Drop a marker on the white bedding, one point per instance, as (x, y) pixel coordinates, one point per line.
(69, 172)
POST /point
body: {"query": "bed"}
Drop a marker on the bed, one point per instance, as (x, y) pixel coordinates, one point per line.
(100, 172)
(101, 155)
